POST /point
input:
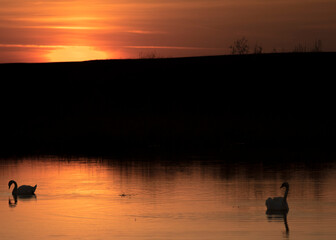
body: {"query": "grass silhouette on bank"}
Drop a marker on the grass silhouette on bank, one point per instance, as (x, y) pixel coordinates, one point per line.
(241, 46)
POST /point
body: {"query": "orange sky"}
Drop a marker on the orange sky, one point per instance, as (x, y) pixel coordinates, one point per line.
(75, 30)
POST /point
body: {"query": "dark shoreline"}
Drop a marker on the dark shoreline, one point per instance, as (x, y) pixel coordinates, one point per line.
(199, 105)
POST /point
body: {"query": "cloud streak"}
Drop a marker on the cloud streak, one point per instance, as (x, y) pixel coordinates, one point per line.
(170, 47)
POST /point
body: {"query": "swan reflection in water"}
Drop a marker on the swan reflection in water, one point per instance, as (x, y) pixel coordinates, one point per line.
(276, 216)
(13, 202)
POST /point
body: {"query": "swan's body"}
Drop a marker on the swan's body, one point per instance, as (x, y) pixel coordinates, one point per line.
(278, 204)
(22, 190)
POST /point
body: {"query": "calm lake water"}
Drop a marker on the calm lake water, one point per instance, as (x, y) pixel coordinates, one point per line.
(91, 198)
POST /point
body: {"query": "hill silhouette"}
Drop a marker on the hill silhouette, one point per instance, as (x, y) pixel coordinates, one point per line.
(199, 104)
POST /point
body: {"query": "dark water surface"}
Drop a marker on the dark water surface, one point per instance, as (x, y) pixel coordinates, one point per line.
(94, 198)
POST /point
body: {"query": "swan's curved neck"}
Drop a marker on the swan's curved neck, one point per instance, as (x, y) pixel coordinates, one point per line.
(286, 193)
(15, 185)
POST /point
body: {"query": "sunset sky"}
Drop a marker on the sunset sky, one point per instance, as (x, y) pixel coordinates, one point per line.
(76, 30)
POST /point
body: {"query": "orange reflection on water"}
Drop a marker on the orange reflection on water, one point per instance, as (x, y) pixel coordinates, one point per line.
(96, 199)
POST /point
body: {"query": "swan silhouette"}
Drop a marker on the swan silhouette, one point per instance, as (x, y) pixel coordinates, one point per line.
(278, 204)
(22, 190)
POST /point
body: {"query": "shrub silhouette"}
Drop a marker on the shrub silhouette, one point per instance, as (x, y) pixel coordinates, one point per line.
(149, 55)
(317, 47)
(240, 46)
(258, 49)
(300, 48)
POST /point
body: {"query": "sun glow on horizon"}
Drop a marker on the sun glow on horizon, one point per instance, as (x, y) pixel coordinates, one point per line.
(102, 28)
(75, 54)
